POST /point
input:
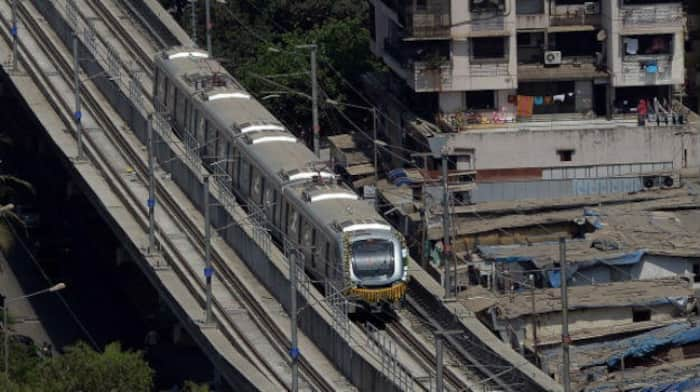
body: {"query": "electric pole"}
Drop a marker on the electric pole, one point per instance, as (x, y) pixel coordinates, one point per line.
(208, 270)
(14, 32)
(534, 319)
(194, 20)
(374, 142)
(446, 249)
(438, 360)
(565, 338)
(76, 86)
(208, 22)
(151, 189)
(314, 102)
(294, 350)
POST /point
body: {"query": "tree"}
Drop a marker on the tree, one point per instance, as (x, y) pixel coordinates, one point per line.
(191, 386)
(243, 31)
(81, 368)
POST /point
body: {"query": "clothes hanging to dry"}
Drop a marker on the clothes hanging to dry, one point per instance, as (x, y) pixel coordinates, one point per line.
(525, 105)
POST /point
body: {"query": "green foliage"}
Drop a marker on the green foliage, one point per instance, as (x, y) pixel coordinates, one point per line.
(81, 368)
(244, 30)
(191, 386)
(23, 359)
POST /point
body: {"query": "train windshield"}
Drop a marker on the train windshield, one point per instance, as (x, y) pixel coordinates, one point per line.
(372, 258)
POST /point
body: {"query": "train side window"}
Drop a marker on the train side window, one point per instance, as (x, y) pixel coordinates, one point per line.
(293, 224)
(228, 156)
(164, 96)
(172, 99)
(256, 186)
(192, 126)
(314, 248)
(204, 147)
(180, 108)
(268, 201)
(244, 177)
(156, 86)
(306, 238)
(201, 125)
(235, 164)
(221, 154)
(275, 207)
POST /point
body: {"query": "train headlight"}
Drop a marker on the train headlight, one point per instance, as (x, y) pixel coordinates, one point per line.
(404, 253)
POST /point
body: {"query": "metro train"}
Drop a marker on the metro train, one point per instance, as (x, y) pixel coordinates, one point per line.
(343, 239)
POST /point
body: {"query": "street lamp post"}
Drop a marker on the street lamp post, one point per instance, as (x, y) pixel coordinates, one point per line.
(6, 329)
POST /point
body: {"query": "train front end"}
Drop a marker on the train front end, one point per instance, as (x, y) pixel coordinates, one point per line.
(376, 261)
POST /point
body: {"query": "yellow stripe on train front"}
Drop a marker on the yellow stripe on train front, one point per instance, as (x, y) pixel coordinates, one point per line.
(392, 294)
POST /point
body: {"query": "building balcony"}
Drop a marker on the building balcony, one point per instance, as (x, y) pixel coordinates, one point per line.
(646, 70)
(427, 77)
(579, 17)
(651, 16)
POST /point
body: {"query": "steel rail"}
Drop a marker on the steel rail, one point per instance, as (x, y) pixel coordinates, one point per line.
(116, 179)
(123, 144)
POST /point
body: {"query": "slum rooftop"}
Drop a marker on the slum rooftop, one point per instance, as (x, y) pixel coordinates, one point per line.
(665, 227)
(607, 295)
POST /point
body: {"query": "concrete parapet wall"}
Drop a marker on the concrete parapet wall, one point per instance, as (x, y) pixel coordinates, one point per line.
(268, 265)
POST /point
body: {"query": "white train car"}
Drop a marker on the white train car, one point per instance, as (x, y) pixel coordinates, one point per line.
(343, 238)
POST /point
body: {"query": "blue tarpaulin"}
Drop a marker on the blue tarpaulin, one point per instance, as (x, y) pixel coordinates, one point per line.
(626, 259)
(691, 384)
(640, 346)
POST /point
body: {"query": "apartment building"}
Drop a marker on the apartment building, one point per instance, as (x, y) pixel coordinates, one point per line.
(515, 89)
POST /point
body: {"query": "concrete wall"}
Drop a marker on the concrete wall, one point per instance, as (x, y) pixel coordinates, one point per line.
(538, 148)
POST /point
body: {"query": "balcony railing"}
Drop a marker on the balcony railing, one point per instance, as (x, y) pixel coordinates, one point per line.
(488, 24)
(578, 18)
(429, 31)
(649, 16)
(432, 76)
(647, 70)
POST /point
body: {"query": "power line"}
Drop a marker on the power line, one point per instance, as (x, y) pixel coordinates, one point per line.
(73, 315)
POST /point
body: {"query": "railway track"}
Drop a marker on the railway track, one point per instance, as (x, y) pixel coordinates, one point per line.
(494, 373)
(169, 205)
(398, 332)
(124, 41)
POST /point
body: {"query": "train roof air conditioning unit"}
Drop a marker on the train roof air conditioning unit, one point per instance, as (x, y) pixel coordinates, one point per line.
(591, 8)
(552, 57)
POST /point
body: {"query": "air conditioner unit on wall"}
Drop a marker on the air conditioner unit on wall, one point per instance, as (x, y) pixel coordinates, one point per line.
(552, 57)
(590, 8)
